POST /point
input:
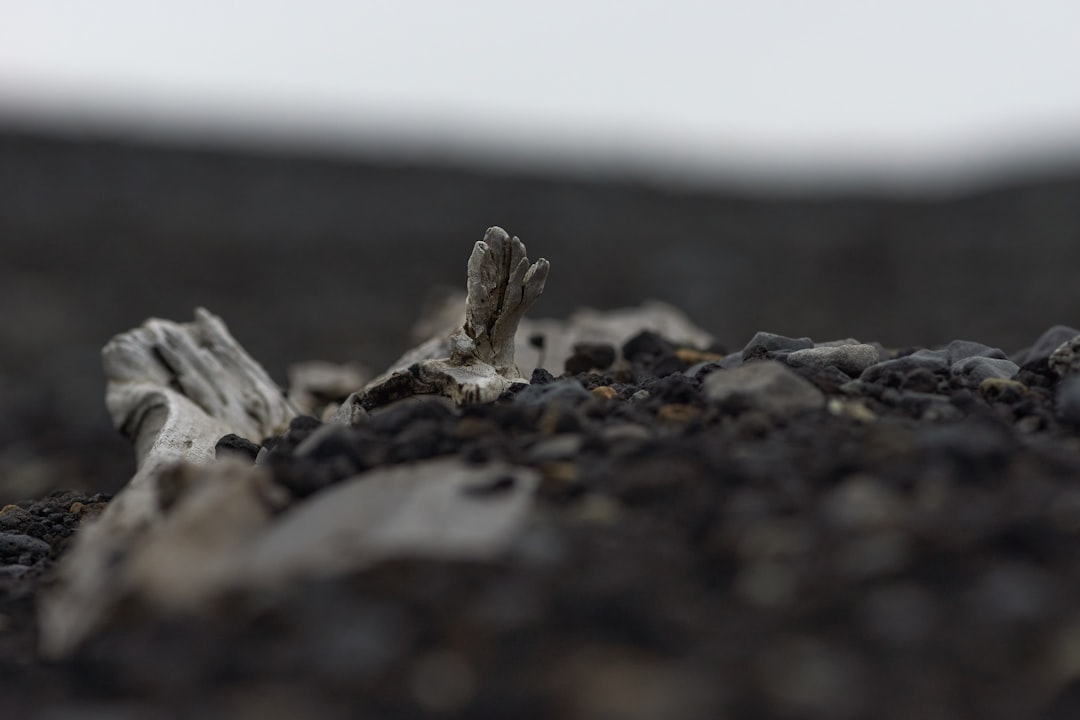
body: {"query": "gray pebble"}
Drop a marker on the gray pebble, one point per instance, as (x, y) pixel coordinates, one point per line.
(959, 350)
(732, 360)
(766, 385)
(773, 342)
(851, 359)
(326, 436)
(1067, 400)
(975, 369)
(932, 360)
(351, 412)
(702, 369)
(1047, 343)
(1065, 360)
(559, 447)
(567, 391)
(837, 343)
(915, 402)
(12, 544)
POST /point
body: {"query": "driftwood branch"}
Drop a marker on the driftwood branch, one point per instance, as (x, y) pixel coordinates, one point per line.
(175, 390)
(502, 285)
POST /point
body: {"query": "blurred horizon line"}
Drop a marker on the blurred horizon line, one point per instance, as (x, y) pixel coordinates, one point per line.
(1044, 158)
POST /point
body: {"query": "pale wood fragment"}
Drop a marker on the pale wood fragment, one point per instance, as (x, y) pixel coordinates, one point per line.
(175, 390)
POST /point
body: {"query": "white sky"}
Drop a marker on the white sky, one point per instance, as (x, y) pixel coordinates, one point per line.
(771, 86)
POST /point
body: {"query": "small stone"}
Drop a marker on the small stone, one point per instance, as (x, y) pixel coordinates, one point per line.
(851, 359)
(997, 389)
(678, 413)
(77, 509)
(646, 344)
(1067, 400)
(977, 368)
(16, 545)
(590, 356)
(773, 342)
(691, 356)
(959, 350)
(1065, 360)
(567, 391)
(605, 392)
(557, 447)
(1047, 343)
(350, 413)
(236, 446)
(766, 385)
(13, 517)
(929, 360)
(701, 369)
(853, 409)
(540, 376)
(732, 360)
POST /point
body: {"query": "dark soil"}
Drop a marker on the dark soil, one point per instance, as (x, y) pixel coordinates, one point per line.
(908, 552)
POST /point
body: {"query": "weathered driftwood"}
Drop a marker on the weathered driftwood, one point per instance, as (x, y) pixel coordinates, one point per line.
(479, 366)
(179, 532)
(185, 529)
(558, 339)
(175, 390)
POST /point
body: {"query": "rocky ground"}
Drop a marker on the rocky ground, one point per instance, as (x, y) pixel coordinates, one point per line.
(884, 543)
(788, 530)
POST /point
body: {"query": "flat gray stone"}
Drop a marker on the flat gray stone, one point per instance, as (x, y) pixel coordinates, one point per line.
(773, 342)
(567, 391)
(932, 360)
(765, 385)
(975, 369)
(959, 350)
(850, 359)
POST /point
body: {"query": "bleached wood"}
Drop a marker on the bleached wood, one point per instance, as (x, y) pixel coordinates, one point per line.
(479, 367)
(175, 390)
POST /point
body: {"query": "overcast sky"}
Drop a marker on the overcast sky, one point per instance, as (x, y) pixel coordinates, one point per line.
(769, 86)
